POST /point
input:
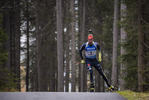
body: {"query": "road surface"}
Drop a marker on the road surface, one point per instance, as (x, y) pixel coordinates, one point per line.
(59, 96)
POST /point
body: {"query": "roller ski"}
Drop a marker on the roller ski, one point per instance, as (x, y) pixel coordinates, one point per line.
(92, 89)
(112, 88)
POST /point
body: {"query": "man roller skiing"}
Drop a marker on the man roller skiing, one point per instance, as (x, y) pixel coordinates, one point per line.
(90, 48)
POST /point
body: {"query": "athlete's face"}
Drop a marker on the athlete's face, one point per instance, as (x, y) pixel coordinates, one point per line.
(90, 41)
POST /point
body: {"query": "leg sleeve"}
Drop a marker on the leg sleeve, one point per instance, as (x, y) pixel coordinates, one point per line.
(89, 68)
(99, 69)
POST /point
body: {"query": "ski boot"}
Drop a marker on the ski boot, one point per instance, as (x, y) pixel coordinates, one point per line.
(92, 89)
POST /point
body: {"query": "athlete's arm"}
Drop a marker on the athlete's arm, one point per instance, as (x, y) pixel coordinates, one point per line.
(98, 47)
(81, 49)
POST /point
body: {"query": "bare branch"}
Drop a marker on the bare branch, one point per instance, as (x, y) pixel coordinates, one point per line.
(146, 45)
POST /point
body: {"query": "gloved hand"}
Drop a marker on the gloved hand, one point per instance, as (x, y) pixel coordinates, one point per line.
(82, 61)
(99, 59)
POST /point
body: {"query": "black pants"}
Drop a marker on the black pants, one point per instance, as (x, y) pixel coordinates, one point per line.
(94, 63)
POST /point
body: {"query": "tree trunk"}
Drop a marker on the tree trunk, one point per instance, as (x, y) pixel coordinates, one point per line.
(67, 42)
(67, 60)
(82, 40)
(27, 62)
(17, 41)
(80, 44)
(73, 47)
(115, 44)
(141, 62)
(60, 46)
(7, 27)
(38, 74)
(123, 37)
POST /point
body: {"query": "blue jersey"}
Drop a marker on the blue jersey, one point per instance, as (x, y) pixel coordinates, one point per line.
(90, 50)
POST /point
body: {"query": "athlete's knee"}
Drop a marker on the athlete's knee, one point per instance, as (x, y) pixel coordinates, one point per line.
(98, 66)
(89, 67)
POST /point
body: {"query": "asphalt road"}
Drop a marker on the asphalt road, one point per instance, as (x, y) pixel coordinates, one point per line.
(59, 96)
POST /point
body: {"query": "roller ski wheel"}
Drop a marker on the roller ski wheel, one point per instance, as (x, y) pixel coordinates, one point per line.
(112, 88)
(92, 89)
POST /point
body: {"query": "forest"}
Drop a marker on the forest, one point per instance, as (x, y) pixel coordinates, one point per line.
(40, 42)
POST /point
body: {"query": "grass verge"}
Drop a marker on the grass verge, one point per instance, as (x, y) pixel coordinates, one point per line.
(130, 95)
